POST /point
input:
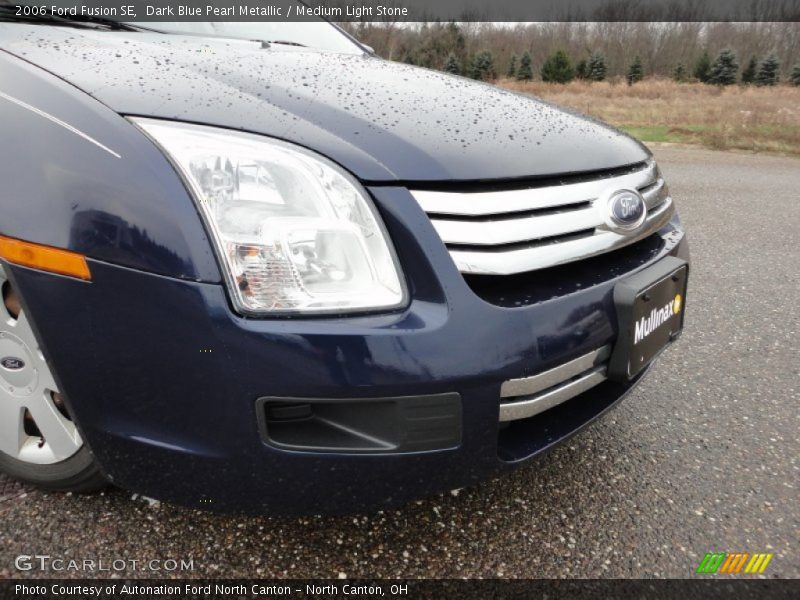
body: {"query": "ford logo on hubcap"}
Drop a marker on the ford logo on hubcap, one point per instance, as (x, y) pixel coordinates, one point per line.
(11, 363)
(626, 209)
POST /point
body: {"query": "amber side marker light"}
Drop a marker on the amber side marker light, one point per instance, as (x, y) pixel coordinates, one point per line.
(44, 258)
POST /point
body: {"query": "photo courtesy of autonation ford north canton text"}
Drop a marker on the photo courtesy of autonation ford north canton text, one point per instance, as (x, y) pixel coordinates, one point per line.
(366, 259)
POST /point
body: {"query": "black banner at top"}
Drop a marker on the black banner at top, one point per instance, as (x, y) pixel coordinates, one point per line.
(508, 11)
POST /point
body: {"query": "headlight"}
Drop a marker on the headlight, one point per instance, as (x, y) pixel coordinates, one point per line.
(295, 233)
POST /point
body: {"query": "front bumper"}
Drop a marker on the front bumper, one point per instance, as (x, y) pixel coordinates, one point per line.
(163, 378)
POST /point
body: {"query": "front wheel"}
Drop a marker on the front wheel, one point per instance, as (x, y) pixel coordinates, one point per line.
(39, 442)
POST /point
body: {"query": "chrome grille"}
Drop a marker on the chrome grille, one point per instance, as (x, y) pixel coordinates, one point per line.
(519, 230)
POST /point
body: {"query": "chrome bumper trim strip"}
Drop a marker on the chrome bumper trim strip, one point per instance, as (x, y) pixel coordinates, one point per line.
(538, 393)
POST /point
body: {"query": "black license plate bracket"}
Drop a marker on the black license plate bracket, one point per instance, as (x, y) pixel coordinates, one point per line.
(650, 309)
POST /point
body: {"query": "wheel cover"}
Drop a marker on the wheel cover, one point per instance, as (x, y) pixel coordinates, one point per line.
(27, 388)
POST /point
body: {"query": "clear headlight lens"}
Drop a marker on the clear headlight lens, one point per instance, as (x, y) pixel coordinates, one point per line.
(295, 232)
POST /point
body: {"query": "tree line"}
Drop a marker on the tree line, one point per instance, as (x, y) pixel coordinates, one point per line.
(561, 52)
(559, 68)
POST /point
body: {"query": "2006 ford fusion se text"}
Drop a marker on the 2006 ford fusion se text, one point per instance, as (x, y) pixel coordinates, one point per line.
(252, 267)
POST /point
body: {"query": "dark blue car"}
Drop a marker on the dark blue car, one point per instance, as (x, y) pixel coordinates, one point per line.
(253, 267)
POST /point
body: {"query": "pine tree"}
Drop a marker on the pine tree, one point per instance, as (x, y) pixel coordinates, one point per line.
(488, 66)
(702, 67)
(635, 71)
(557, 68)
(749, 73)
(768, 71)
(724, 69)
(679, 73)
(795, 77)
(483, 66)
(452, 65)
(408, 58)
(512, 67)
(471, 70)
(582, 69)
(525, 72)
(597, 66)
(487, 62)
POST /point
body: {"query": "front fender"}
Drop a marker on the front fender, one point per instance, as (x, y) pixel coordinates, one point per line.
(77, 175)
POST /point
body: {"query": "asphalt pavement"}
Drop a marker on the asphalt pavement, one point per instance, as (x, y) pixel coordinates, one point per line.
(703, 456)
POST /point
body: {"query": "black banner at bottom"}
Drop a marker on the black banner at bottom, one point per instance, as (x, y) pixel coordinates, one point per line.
(438, 589)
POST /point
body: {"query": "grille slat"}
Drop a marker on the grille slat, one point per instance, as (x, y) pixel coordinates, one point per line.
(510, 216)
(518, 230)
(543, 241)
(498, 233)
(517, 200)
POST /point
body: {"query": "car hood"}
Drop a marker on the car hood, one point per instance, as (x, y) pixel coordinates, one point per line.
(383, 121)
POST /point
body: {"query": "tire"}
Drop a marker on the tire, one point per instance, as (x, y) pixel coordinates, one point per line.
(78, 474)
(39, 442)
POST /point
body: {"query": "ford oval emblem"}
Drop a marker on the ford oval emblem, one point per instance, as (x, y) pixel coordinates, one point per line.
(11, 363)
(626, 209)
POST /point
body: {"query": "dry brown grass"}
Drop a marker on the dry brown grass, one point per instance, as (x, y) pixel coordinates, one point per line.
(748, 118)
